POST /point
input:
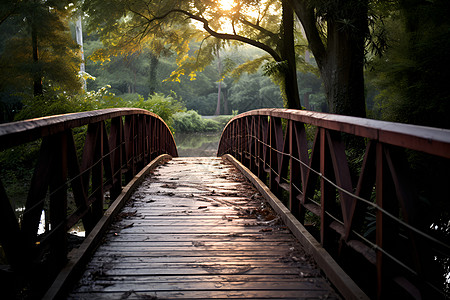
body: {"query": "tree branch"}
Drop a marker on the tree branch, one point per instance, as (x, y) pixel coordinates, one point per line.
(139, 14)
(308, 20)
(259, 28)
(224, 36)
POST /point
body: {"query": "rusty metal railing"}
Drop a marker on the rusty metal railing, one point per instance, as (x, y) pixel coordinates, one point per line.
(356, 185)
(112, 146)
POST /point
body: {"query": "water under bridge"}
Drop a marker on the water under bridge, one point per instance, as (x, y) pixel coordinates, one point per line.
(297, 205)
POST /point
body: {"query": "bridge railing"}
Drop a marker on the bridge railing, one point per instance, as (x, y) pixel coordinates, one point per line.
(72, 180)
(356, 185)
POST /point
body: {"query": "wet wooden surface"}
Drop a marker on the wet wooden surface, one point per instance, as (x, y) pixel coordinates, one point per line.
(197, 229)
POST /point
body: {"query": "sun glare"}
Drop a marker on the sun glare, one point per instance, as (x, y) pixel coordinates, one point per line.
(227, 4)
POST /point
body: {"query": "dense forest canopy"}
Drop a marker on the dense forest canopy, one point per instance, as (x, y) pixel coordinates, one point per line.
(386, 58)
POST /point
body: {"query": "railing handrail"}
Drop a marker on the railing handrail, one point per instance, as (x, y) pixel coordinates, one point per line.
(21, 132)
(116, 144)
(431, 140)
(354, 194)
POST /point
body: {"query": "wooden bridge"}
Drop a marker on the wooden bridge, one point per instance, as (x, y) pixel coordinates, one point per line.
(330, 207)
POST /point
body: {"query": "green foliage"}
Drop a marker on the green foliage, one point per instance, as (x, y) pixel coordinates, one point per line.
(58, 59)
(412, 75)
(164, 106)
(191, 121)
(254, 91)
(173, 27)
(223, 120)
(199, 94)
(45, 105)
(16, 169)
(55, 103)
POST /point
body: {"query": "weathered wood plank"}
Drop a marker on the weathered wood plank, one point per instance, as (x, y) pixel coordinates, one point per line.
(105, 286)
(214, 270)
(173, 260)
(191, 253)
(196, 229)
(199, 237)
(230, 294)
(202, 247)
(205, 278)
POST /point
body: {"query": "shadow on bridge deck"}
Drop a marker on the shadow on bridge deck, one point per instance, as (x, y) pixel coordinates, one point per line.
(196, 228)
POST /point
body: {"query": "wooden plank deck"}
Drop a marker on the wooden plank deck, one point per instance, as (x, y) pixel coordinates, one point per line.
(197, 229)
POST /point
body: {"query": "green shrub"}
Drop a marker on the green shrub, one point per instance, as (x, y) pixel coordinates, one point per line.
(223, 120)
(58, 103)
(191, 121)
(163, 106)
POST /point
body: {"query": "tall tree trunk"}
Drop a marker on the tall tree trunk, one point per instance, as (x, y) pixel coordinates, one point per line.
(306, 100)
(134, 79)
(343, 72)
(225, 104)
(79, 37)
(341, 58)
(288, 55)
(37, 77)
(154, 61)
(219, 90)
(218, 99)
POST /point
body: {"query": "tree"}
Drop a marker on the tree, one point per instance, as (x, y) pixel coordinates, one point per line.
(37, 50)
(336, 33)
(413, 74)
(254, 91)
(164, 25)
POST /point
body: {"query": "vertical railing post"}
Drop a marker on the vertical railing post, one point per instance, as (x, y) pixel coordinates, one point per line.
(265, 150)
(275, 137)
(87, 162)
(273, 157)
(258, 147)
(380, 166)
(253, 163)
(239, 139)
(229, 143)
(115, 145)
(149, 138)
(129, 133)
(140, 159)
(233, 139)
(157, 138)
(301, 148)
(162, 139)
(58, 201)
(97, 175)
(294, 175)
(386, 229)
(327, 192)
(152, 138)
(145, 134)
(245, 142)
